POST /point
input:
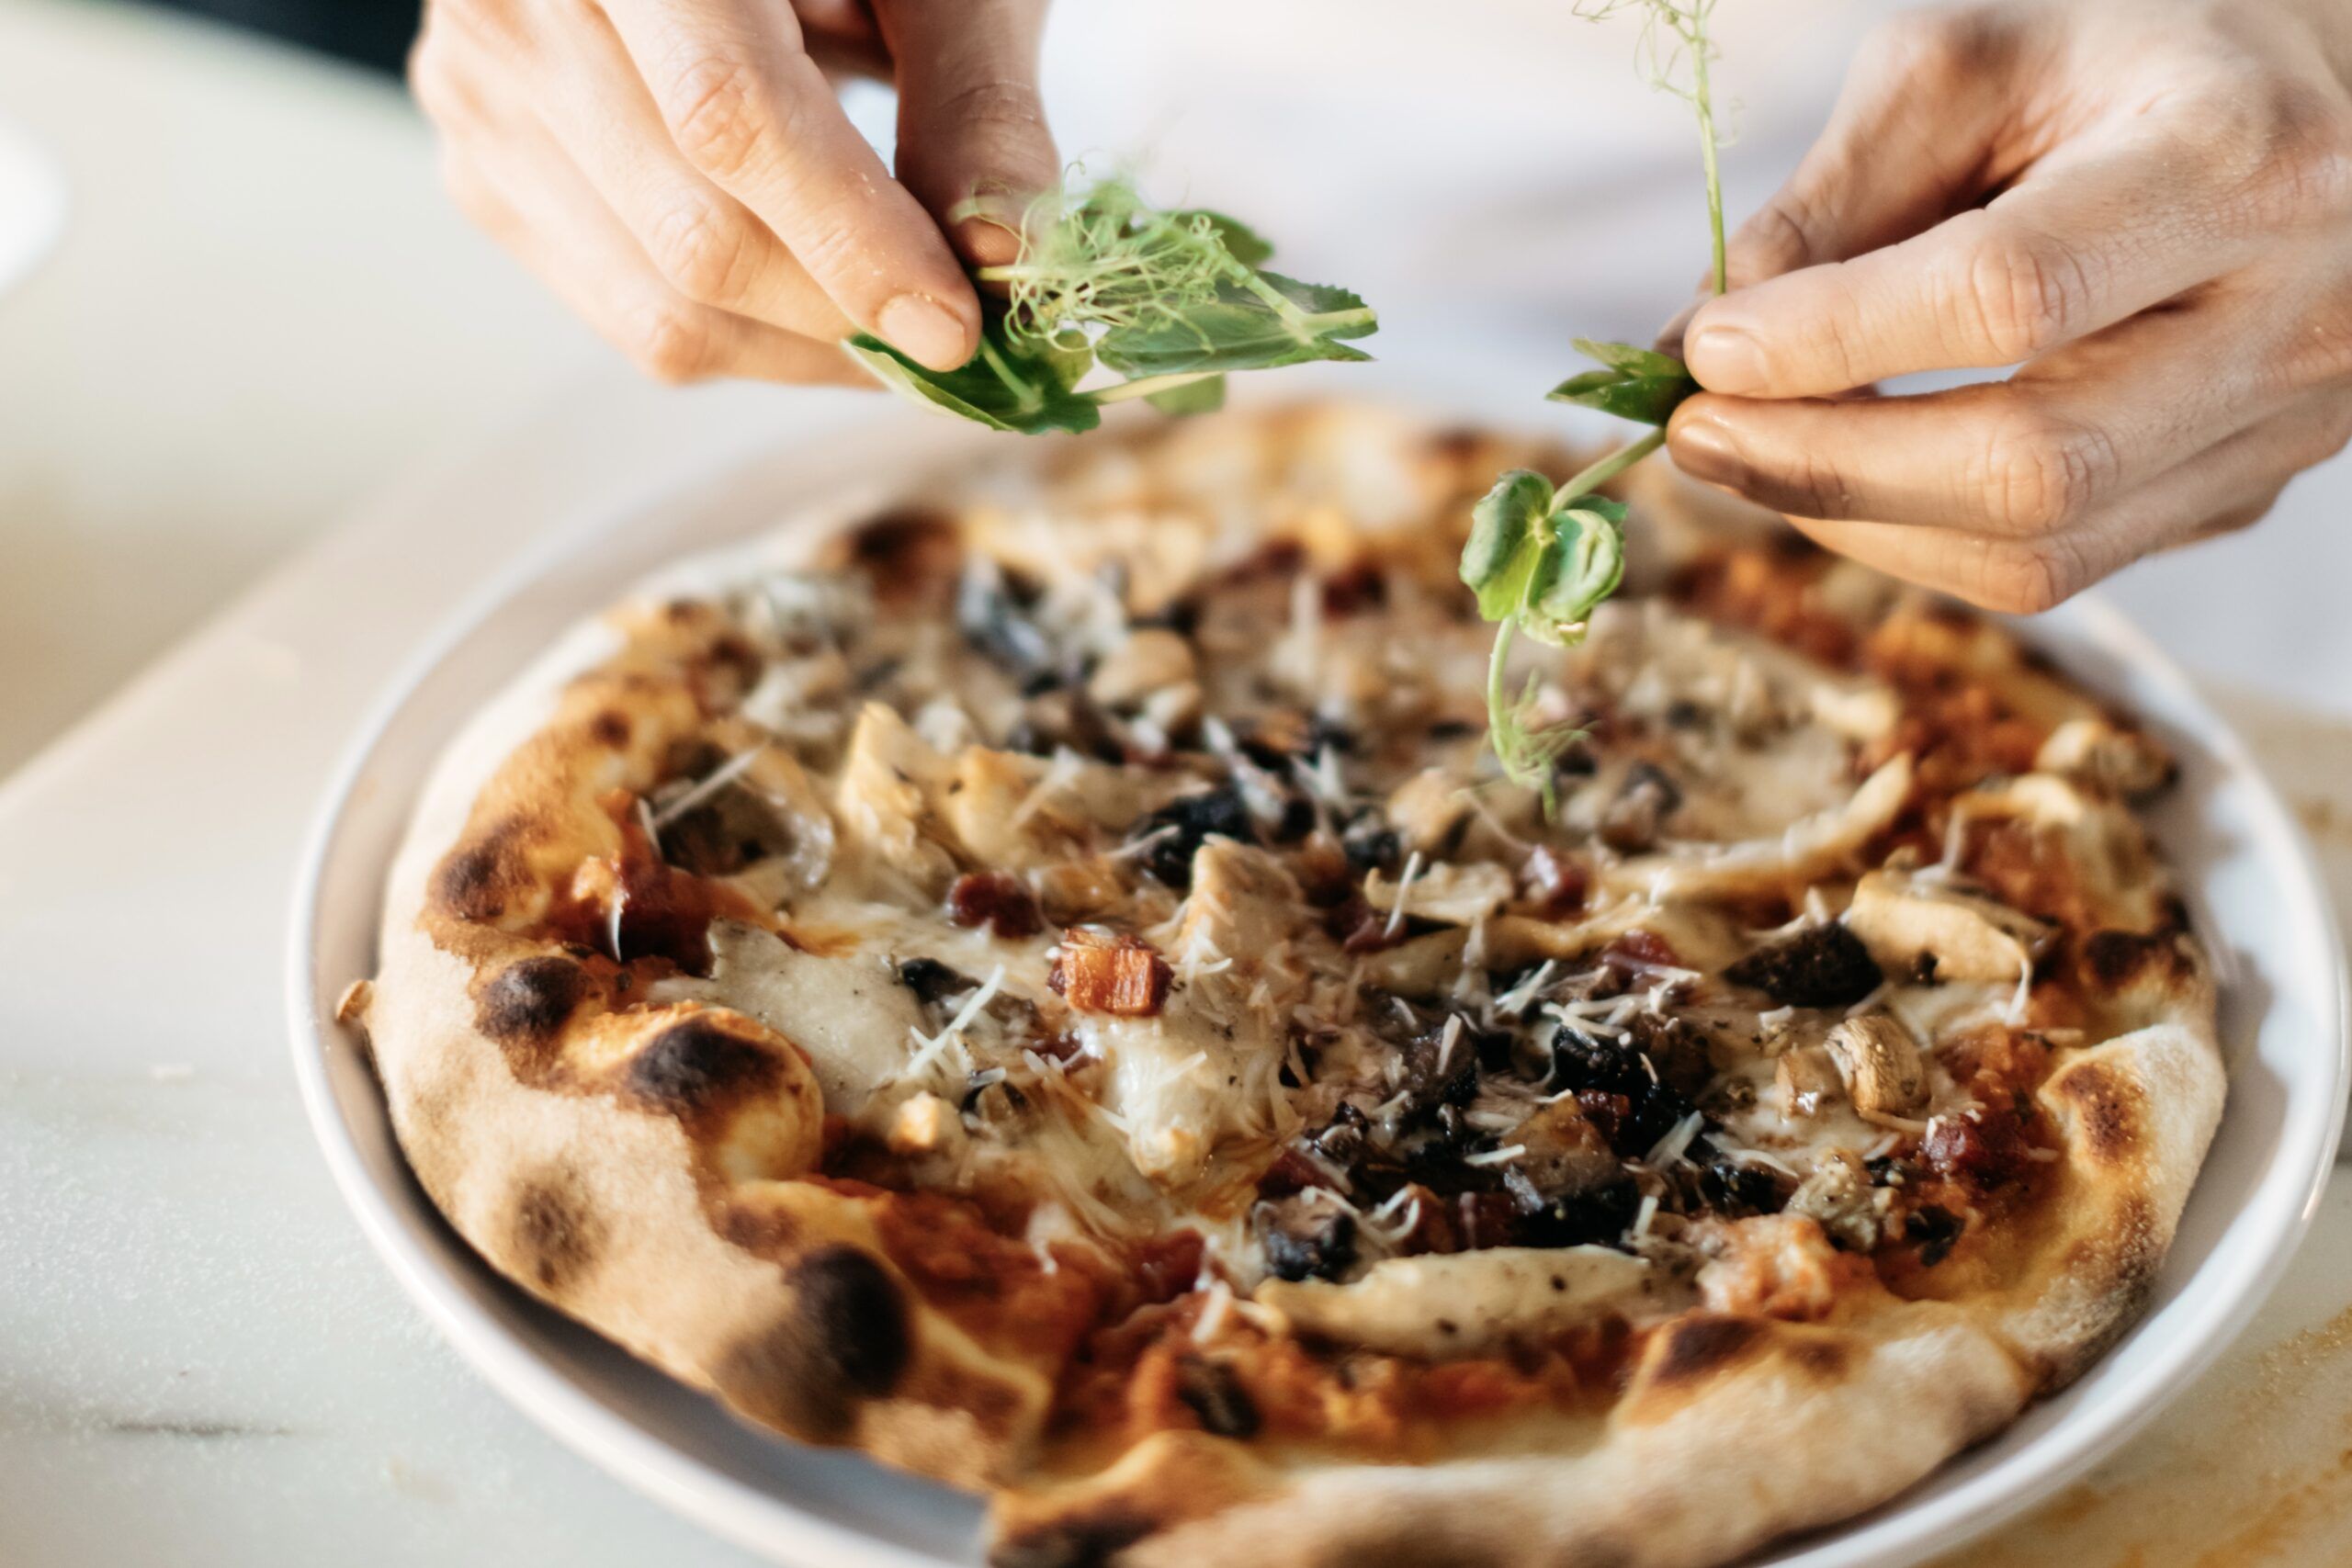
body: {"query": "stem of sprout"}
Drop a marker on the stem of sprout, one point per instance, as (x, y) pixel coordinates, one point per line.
(1013, 384)
(1703, 98)
(1497, 700)
(1602, 473)
(1146, 386)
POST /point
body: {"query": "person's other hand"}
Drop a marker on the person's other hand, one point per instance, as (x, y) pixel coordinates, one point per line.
(679, 173)
(2166, 249)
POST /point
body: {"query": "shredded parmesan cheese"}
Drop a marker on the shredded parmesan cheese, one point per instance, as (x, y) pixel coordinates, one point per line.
(726, 773)
(1671, 1149)
(1403, 893)
(932, 1048)
(1870, 1002)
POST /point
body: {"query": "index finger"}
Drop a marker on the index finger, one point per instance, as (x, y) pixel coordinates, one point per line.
(748, 107)
(2085, 242)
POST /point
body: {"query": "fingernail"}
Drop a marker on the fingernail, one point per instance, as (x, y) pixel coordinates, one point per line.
(1706, 450)
(923, 329)
(1725, 359)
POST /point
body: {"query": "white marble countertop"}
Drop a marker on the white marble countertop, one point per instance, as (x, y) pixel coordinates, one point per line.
(199, 1362)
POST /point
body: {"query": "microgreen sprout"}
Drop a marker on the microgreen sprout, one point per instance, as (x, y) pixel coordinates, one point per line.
(1542, 559)
(1170, 300)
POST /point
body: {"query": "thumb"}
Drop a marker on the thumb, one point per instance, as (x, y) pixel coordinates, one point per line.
(971, 125)
(1912, 133)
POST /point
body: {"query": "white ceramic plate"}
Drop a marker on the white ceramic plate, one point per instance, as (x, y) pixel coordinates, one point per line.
(2256, 894)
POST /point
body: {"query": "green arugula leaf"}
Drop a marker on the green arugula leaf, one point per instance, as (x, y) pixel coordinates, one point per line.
(1204, 396)
(1639, 384)
(1267, 322)
(1020, 387)
(1170, 301)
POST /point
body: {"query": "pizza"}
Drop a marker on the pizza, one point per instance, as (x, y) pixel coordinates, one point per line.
(1036, 977)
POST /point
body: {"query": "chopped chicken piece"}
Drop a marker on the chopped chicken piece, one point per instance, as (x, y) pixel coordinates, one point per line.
(2115, 760)
(1243, 904)
(886, 797)
(1428, 809)
(1450, 894)
(1152, 659)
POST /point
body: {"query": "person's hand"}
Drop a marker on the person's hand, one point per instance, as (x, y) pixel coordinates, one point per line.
(2167, 249)
(679, 173)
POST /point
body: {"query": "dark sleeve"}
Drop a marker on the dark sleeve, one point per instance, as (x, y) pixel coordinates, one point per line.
(373, 32)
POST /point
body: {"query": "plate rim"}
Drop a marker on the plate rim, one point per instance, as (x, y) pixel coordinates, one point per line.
(772, 1528)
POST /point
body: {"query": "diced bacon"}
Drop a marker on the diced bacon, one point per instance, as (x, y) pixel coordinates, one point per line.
(996, 899)
(1121, 974)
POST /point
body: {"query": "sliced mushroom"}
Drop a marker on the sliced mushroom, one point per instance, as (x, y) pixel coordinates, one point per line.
(2120, 761)
(1645, 799)
(1808, 849)
(1807, 1079)
(1933, 930)
(1462, 1303)
(1883, 1072)
(1566, 1154)
(767, 825)
(1839, 1197)
(1819, 966)
(1418, 967)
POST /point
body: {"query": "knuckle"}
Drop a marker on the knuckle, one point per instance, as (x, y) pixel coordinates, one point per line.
(2306, 155)
(2326, 437)
(1778, 239)
(829, 247)
(1942, 47)
(2318, 352)
(703, 249)
(435, 86)
(999, 101)
(717, 113)
(671, 341)
(471, 192)
(2018, 295)
(2041, 474)
(1817, 486)
(2026, 580)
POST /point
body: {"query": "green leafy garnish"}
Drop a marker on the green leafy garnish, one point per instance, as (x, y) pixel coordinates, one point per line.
(1007, 385)
(1639, 384)
(1170, 300)
(1543, 560)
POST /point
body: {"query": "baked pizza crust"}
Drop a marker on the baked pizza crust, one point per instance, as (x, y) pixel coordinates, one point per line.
(1734, 1431)
(637, 1170)
(646, 1169)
